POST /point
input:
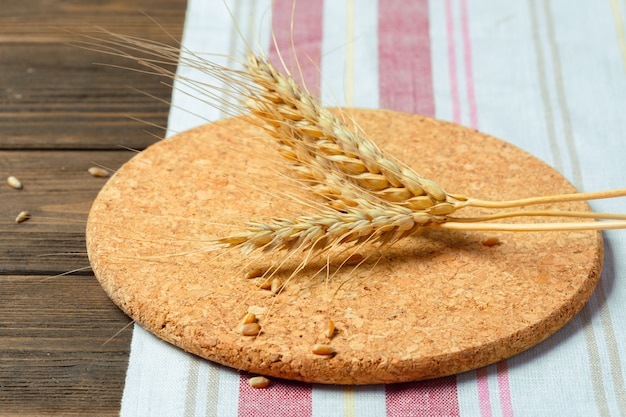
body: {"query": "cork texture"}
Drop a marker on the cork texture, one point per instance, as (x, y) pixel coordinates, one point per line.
(436, 304)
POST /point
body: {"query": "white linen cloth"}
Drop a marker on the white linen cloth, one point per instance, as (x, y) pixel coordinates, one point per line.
(546, 75)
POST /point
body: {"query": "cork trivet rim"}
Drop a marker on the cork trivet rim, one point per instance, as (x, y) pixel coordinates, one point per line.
(437, 304)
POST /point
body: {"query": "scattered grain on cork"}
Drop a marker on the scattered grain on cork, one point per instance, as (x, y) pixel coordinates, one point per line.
(490, 241)
(250, 329)
(255, 273)
(276, 286)
(249, 318)
(329, 332)
(325, 350)
(265, 284)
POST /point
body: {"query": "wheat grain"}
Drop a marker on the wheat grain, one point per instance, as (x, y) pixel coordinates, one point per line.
(13, 182)
(249, 318)
(250, 329)
(277, 286)
(255, 273)
(98, 172)
(490, 241)
(329, 332)
(265, 284)
(259, 382)
(22, 217)
(324, 350)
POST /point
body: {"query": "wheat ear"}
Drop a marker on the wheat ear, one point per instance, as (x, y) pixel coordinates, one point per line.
(376, 197)
(313, 139)
(311, 136)
(324, 151)
(329, 228)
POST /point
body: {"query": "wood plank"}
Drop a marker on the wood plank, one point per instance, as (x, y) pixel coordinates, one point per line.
(55, 354)
(52, 329)
(54, 94)
(58, 192)
(58, 98)
(60, 114)
(42, 21)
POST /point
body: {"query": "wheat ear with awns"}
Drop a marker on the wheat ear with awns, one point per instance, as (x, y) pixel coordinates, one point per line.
(369, 196)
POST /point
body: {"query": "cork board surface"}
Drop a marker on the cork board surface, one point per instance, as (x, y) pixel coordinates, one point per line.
(433, 305)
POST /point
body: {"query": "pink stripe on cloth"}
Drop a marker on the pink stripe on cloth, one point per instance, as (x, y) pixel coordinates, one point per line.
(406, 82)
(502, 369)
(482, 383)
(284, 399)
(298, 36)
(484, 401)
(298, 41)
(437, 397)
(505, 390)
(469, 73)
(452, 67)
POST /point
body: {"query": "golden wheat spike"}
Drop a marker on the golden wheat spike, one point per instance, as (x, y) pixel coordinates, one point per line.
(372, 196)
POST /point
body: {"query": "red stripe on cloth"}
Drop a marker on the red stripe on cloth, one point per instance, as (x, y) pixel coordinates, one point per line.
(436, 397)
(504, 389)
(281, 399)
(484, 400)
(469, 73)
(405, 72)
(300, 44)
(452, 67)
(406, 84)
(502, 368)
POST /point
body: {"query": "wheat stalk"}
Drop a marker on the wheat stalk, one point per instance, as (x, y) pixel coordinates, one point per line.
(372, 196)
(324, 151)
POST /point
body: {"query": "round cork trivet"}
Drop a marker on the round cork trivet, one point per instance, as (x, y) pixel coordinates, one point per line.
(435, 304)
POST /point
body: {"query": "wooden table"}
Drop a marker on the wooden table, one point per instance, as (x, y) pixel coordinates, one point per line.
(63, 344)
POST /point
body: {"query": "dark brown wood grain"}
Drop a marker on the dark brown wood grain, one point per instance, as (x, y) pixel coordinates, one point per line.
(59, 347)
(60, 351)
(56, 95)
(57, 192)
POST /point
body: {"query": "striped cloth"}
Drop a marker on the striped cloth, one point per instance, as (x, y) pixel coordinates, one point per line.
(546, 75)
